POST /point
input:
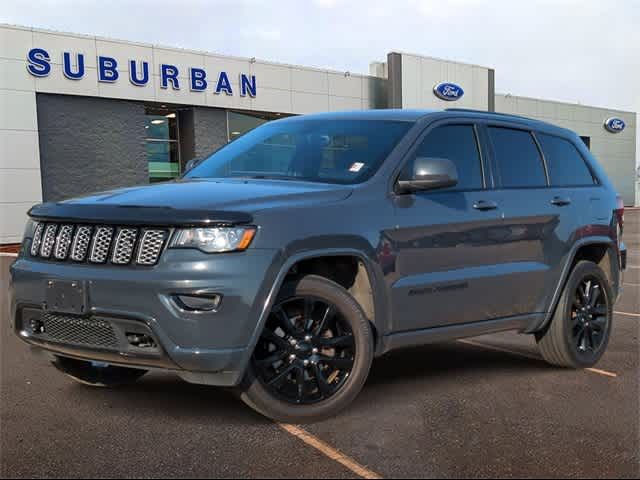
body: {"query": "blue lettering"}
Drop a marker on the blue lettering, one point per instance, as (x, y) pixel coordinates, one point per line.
(107, 69)
(133, 73)
(67, 68)
(224, 84)
(247, 85)
(39, 65)
(198, 82)
(169, 73)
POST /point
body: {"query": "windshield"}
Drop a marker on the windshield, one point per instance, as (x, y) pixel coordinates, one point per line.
(327, 151)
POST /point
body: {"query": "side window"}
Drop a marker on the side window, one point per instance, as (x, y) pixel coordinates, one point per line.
(457, 143)
(517, 158)
(566, 166)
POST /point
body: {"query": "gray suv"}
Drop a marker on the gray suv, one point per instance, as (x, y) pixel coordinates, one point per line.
(284, 263)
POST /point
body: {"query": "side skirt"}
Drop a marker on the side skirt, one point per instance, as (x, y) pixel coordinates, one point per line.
(453, 332)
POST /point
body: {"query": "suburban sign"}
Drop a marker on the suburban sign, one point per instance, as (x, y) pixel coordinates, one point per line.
(108, 71)
(449, 92)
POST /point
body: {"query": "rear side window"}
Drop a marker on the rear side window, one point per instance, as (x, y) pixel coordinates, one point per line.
(517, 158)
(458, 144)
(566, 166)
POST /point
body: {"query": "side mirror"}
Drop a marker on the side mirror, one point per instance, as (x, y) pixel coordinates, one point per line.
(430, 173)
(191, 163)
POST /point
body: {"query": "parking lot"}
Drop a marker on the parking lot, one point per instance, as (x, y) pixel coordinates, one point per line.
(482, 407)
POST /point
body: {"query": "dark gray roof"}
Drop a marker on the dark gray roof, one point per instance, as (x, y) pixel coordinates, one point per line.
(410, 115)
(381, 114)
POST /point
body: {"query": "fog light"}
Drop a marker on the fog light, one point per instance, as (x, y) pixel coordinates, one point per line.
(140, 340)
(37, 326)
(199, 303)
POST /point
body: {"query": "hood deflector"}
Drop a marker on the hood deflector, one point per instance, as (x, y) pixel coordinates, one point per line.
(135, 215)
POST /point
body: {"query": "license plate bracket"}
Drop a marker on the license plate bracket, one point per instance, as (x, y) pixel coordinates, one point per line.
(64, 296)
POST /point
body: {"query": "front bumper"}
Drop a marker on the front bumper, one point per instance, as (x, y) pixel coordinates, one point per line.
(202, 347)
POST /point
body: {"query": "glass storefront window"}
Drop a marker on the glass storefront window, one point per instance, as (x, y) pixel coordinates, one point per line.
(163, 152)
(241, 123)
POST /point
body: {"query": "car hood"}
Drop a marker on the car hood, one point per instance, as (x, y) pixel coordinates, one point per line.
(190, 202)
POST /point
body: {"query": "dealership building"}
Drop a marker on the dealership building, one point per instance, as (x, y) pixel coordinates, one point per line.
(80, 113)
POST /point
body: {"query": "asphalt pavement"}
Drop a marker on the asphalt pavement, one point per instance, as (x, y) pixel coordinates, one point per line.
(482, 408)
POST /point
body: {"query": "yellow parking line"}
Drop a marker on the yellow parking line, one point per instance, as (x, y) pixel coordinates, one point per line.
(514, 352)
(329, 451)
(627, 313)
(603, 372)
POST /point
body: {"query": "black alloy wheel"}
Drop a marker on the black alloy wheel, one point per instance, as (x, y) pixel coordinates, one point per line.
(589, 318)
(581, 325)
(306, 352)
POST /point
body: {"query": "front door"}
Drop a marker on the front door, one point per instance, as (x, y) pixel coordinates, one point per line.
(445, 242)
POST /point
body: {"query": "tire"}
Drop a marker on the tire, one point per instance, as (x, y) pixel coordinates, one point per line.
(329, 314)
(574, 339)
(97, 375)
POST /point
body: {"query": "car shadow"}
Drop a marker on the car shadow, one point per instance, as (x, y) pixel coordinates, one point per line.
(442, 360)
(162, 394)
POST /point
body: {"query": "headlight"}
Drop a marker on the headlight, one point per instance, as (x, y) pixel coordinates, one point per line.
(214, 240)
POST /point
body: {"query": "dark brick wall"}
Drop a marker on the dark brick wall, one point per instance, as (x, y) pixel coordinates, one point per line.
(209, 130)
(90, 144)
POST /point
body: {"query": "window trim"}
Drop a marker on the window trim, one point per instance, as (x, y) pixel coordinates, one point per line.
(594, 177)
(410, 154)
(497, 174)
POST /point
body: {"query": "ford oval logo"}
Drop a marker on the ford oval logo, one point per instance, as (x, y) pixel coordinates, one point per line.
(615, 125)
(449, 92)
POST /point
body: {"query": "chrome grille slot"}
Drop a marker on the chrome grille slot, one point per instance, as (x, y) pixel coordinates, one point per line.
(151, 246)
(37, 239)
(80, 245)
(101, 244)
(48, 240)
(63, 241)
(117, 245)
(125, 243)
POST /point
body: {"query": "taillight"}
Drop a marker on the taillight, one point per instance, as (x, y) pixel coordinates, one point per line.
(619, 212)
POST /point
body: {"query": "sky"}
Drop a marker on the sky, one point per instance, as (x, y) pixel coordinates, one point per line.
(583, 51)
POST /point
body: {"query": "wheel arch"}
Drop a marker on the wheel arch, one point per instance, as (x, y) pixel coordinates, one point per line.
(600, 250)
(375, 279)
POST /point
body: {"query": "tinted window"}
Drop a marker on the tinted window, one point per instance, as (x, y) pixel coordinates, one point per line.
(327, 151)
(458, 144)
(566, 165)
(517, 158)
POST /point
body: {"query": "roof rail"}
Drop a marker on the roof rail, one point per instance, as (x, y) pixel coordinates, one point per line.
(486, 112)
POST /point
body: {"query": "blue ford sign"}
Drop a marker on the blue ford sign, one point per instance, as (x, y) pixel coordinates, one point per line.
(615, 125)
(39, 64)
(449, 92)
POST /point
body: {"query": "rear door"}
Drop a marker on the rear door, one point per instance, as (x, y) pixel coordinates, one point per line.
(574, 197)
(535, 230)
(445, 241)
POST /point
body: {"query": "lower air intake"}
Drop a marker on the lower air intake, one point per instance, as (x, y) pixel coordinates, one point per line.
(69, 329)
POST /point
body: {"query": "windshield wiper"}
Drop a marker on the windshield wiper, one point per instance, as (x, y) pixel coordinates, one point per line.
(272, 177)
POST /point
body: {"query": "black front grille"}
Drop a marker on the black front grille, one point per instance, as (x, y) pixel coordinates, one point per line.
(70, 329)
(99, 244)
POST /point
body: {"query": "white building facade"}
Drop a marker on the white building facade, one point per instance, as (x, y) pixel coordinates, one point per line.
(80, 113)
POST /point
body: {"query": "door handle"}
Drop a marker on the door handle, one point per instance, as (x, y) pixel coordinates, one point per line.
(560, 201)
(485, 205)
